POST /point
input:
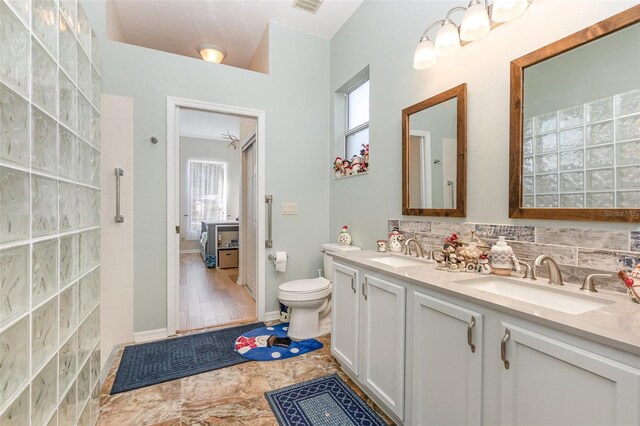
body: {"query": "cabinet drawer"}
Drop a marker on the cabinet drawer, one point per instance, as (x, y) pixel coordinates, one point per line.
(228, 258)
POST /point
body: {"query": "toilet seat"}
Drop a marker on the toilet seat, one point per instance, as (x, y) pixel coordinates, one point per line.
(305, 286)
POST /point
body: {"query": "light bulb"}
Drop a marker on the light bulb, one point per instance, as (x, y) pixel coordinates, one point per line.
(507, 10)
(425, 55)
(212, 53)
(475, 23)
(448, 39)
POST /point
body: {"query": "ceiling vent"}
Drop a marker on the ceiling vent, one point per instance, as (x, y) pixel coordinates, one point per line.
(310, 6)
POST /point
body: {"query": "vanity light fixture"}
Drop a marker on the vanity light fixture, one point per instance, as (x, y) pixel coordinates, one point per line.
(475, 25)
(212, 53)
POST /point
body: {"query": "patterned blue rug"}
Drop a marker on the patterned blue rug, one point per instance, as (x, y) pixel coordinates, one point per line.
(169, 359)
(271, 343)
(326, 401)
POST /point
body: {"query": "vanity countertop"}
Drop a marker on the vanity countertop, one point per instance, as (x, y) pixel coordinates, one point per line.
(616, 324)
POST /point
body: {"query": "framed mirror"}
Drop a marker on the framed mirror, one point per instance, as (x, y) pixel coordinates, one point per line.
(575, 126)
(434, 152)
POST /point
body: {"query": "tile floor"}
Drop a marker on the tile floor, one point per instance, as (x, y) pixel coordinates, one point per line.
(229, 396)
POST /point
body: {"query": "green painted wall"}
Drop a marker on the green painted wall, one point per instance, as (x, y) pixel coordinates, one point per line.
(383, 35)
(295, 96)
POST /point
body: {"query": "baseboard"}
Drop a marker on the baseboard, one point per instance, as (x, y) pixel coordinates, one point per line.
(272, 316)
(146, 336)
(196, 251)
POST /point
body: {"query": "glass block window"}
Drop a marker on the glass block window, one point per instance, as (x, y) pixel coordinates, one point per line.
(584, 156)
(50, 240)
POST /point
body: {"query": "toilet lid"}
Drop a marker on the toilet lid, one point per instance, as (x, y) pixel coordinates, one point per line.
(305, 286)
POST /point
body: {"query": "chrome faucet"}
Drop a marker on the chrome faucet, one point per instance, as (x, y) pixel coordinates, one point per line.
(407, 247)
(528, 270)
(588, 283)
(555, 276)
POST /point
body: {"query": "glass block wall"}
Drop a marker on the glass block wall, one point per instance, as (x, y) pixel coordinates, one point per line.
(584, 156)
(49, 214)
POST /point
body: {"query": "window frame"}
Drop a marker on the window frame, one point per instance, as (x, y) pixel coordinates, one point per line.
(225, 167)
(349, 132)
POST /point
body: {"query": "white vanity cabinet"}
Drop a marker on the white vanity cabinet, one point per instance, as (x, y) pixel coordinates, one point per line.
(344, 316)
(433, 357)
(554, 383)
(368, 333)
(446, 364)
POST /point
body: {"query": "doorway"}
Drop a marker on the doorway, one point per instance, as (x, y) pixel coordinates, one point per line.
(215, 160)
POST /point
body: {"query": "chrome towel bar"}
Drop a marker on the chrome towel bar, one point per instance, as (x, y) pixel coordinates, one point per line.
(119, 173)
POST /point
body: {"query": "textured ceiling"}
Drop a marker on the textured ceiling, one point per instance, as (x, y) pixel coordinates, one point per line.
(179, 26)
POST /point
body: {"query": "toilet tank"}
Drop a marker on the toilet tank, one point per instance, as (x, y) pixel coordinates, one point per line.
(334, 247)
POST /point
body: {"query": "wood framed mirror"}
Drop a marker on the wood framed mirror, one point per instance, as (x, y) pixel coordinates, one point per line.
(434, 155)
(575, 126)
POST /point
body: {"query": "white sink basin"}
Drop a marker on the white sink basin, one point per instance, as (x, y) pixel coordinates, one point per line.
(551, 298)
(396, 262)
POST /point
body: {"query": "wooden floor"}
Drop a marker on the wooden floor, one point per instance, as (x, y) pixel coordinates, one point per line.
(211, 297)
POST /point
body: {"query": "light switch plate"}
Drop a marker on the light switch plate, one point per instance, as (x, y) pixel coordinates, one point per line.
(289, 208)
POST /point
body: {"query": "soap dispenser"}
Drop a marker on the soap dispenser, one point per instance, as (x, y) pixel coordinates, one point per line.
(502, 258)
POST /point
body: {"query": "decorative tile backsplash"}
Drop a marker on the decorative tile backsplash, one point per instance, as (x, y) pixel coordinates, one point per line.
(49, 214)
(579, 252)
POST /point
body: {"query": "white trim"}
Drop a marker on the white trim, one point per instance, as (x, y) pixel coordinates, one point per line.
(425, 169)
(173, 217)
(272, 316)
(149, 335)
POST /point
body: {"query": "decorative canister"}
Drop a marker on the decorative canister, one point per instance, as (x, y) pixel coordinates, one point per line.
(382, 245)
(395, 241)
(502, 258)
(344, 238)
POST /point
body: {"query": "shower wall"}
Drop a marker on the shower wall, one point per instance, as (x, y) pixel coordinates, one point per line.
(49, 214)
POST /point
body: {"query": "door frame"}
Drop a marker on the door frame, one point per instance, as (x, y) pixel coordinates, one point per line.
(242, 276)
(425, 169)
(173, 213)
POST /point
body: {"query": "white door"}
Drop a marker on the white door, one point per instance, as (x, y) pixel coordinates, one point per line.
(449, 171)
(549, 382)
(344, 321)
(249, 218)
(384, 345)
(447, 363)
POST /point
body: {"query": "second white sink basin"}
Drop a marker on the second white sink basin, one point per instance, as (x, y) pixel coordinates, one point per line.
(551, 298)
(395, 261)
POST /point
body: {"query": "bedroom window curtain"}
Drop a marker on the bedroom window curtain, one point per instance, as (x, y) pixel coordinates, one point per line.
(207, 196)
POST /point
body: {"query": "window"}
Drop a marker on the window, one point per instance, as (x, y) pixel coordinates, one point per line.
(207, 194)
(357, 123)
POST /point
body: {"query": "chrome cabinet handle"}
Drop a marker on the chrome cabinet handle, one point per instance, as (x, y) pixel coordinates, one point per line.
(364, 293)
(470, 326)
(119, 218)
(353, 283)
(503, 347)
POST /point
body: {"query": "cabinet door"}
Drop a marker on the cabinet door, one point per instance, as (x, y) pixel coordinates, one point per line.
(447, 363)
(384, 345)
(344, 324)
(549, 382)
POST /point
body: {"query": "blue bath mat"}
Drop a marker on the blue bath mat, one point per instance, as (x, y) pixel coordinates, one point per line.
(270, 343)
(169, 359)
(321, 402)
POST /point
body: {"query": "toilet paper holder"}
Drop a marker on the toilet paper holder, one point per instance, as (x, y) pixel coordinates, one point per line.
(273, 258)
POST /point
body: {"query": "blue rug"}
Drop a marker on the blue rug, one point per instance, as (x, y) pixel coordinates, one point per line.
(169, 359)
(271, 343)
(321, 402)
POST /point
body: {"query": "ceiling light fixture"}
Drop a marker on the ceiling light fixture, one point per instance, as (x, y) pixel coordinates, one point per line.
(212, 53)
(475, 25)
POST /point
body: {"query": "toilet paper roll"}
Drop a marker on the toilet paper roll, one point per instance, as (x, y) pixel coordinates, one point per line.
(281, 261)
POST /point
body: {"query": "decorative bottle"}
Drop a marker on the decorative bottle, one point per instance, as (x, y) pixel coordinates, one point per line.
(344, 238)
(502, 259)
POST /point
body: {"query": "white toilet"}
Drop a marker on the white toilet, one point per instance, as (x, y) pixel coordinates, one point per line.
(310, 299)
